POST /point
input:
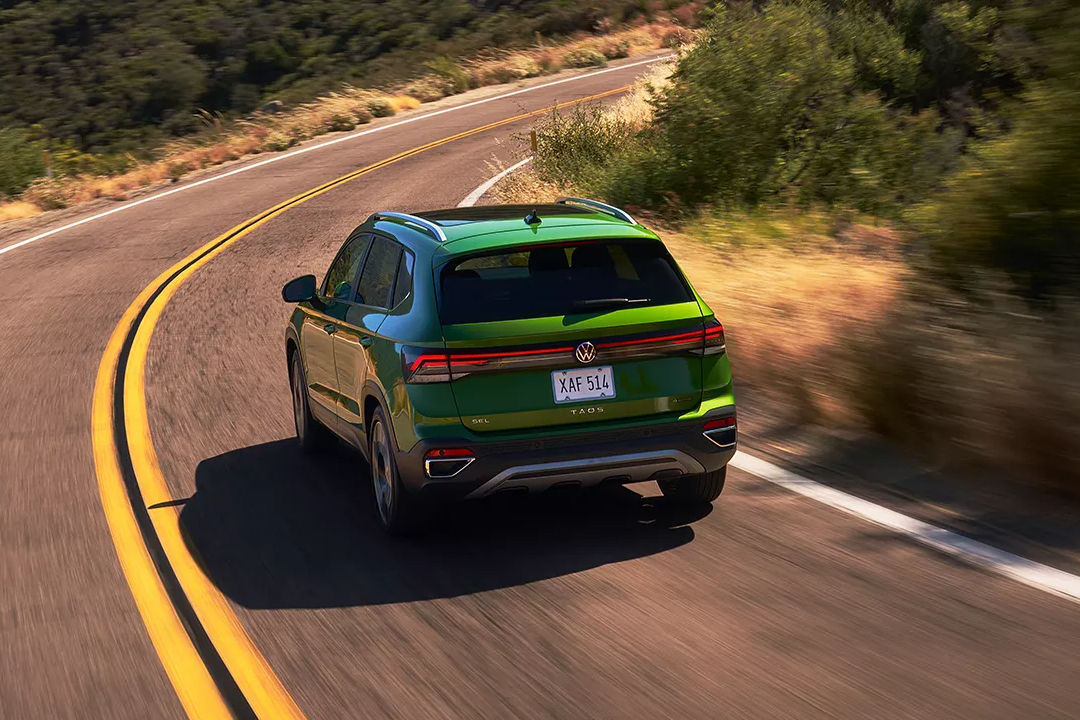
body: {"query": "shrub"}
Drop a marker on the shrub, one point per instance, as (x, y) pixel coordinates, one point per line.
(403, 102)
(764, 108)
(677, 37)
(548, 61)
(20, 161)
(512, 68)
(613, 49)
(277, 141)
(361, 114)
(744, 109)
(46, 194)
(380, 106)
(584, 56)
(176, 170)
(67, 160)
(524, 66)
(575, 149)
(339, 122)
(1015, 207)
(455, 79)
(427, 88)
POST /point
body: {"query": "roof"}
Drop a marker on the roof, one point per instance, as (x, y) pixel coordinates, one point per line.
(487, 226)
(467, 229)
(467, 222)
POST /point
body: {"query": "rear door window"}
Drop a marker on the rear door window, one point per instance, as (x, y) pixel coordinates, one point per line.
(380, 269)
(564, 279)
(341, 276)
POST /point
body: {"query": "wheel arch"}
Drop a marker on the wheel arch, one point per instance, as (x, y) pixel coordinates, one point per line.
(292, 346)
(374, 397)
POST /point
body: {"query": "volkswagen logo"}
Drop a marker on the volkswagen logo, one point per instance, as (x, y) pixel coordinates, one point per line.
(585, 353)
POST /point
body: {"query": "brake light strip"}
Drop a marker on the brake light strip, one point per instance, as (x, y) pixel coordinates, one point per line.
(708, 333)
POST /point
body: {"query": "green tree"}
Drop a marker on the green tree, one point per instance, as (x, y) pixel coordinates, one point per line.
(20, 161)
(786, 102)
(1016, 206)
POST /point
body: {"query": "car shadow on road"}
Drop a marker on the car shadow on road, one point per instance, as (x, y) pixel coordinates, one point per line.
(274, 528)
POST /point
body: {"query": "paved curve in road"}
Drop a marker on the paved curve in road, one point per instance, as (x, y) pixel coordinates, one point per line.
(596, 606)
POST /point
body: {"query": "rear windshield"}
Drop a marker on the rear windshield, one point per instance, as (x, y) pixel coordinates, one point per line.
(564, 279)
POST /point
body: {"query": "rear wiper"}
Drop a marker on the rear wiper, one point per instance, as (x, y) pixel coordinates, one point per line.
(600, 303)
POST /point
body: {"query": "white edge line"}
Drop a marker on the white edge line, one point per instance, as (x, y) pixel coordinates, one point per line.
(1028, 572)
(319, 146)
(474, 197)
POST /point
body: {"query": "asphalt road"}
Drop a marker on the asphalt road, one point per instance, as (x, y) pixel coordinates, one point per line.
(603, 605)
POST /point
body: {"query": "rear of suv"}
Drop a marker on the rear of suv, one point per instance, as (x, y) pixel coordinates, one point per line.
(475, 351)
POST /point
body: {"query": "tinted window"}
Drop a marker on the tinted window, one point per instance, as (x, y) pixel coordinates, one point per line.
(342, 273)
(560, 280)
(379, 272)
(403, 284)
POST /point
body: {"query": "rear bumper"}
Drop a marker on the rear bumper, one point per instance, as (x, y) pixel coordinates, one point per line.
(626, 455)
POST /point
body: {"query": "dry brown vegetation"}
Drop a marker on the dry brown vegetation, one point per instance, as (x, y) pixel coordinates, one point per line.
(17, 210)
(789, 308)
(839, 328)
(339, 111)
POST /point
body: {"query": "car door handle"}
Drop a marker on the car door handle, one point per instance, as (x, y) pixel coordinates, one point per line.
(329, 328)
(367, 340)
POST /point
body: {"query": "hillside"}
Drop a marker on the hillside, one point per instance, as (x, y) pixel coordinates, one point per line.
(112, 77)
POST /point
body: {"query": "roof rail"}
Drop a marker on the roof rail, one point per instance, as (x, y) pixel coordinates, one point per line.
(424, 225)
(599, 206)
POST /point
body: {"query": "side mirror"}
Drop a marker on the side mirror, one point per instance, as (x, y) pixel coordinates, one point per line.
(299, 290)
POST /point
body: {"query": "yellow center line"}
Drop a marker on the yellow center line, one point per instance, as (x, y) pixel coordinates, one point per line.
(193, 682)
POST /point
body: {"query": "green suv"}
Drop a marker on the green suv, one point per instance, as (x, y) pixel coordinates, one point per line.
(509, 348)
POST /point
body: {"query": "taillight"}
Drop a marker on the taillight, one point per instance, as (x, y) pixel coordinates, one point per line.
(424, 365)
(714, 338)
(447, 462)
(721, 430)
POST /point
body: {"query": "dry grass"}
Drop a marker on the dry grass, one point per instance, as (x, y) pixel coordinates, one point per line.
(843, 331)
(524, 187)
(18, 210)
(506, 66)
(978, 379)
(400, 103)
(634, 107)
(340, 111)
(789, 309)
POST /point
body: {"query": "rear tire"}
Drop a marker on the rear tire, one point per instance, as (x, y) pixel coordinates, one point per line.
(310, 433)
(692, 489)
(399, 512)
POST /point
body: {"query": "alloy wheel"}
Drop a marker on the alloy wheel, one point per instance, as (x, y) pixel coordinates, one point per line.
(382, 471)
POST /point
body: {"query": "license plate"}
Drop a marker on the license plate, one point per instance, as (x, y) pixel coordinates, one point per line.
(592, 383)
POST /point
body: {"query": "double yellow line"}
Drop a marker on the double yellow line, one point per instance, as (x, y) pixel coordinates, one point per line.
(213, 665)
